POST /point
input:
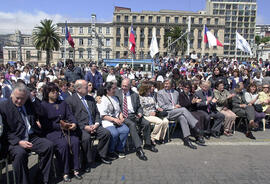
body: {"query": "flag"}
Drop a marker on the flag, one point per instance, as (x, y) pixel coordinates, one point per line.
(153, 46)
(132, 41)
(242, 44)
(211, 39)
(69, 38)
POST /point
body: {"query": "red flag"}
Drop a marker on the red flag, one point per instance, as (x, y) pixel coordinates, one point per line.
(69, 38)
(132, 41)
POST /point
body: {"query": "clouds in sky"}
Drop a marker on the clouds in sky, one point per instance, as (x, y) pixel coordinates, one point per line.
(25, 22)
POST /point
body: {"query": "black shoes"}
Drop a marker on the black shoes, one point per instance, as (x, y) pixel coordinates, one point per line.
(216, 135)
(188, 143)
(207, 136)
(200, 141)
(66, 178)
(250, 135)
(112, 156)
(87, 169)
(141, 154)
(105, 161)
(150, 148)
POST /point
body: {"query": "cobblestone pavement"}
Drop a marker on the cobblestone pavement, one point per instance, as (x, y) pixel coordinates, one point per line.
(227, 160)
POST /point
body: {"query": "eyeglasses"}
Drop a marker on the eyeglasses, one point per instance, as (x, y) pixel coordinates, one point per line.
(265, 87)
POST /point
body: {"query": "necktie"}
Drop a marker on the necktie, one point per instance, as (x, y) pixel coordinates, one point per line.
(88, 111)
(125, 106)
(26, 122)
(208, 105)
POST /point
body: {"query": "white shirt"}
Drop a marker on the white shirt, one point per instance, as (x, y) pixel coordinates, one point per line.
(109, 108)
(110, 78)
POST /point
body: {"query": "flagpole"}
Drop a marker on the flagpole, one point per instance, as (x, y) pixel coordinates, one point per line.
(203, 48)
(65, 48)
(132, 52)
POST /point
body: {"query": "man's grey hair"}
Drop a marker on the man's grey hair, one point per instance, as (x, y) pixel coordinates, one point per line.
(20, 87)
(78, 84)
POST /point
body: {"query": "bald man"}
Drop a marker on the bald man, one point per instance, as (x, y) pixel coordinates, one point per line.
(132, 111)
(86, 113)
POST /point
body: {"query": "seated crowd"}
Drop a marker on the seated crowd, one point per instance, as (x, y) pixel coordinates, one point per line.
(60, 114)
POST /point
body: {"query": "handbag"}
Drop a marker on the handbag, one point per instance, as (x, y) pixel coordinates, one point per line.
(161, 114)
(258, 107)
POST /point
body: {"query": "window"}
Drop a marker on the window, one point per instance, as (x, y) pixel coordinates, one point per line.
(39, 55)
(63, 30)
(108, 30)
(126, 18)
(107, 54)
(216, 5)
(241, 7)
(158, 19)
(117, 42)
(89, 54)
(192, 20)
(222, 6)
(70, 30)
(167, 19)
(149, 41)
(99, 55)
(126, 42)
(158, 41)
(89, 41)
(70, 54)
(176, 19)
(89, 30)
(142, 32)
(28, 55)
(150, 19)
(118, 18)
(108, 42)
(184, 20)
(191, 44)
(118, 31)
(200, 20)
(142, 19)
(81, 54)
(134, 18)
(13, 55)
(235, 6)
(117, 54)
(141, 54)
(215, 12)
(208, 21)
(126, 31)
(81, 30)
(81, 41)
(149, 32)
(62, 53)
(222, 12)
(142, 42)
(100, 30)
(199, 44)
(216, 21)
(158, 32)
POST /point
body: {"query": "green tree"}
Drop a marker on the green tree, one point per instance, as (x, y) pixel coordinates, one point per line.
(181, 44)
(257, 40)
(45, 37)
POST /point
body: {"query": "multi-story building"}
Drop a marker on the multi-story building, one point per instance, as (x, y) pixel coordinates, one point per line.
(263, 30)
(143, 23)
(240, 16)
(93, 42)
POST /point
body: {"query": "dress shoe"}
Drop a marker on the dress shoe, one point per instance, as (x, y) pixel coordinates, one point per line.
(77, 175)
(206, 136)
(140, 154)
(66, 178)
(200, 141)
(150, 148)
(188, 143)
(250, 135)
(87, 169)
(112, 156)
(216, 135)
(198, 131)
(105, 161)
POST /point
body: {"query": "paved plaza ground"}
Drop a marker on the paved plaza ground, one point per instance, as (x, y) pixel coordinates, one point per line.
(226, 160)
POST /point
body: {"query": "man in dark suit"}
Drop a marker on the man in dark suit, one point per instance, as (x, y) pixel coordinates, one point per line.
(73, 73)
(208, 106)
(132, 111)
(23, 134)
(86, 113)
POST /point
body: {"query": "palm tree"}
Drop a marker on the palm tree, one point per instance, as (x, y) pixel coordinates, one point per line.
(180, 45)
(46, 38)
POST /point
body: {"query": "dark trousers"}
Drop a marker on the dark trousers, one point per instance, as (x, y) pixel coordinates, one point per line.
(203, 120)
(132, 122)
(67, 155)
(43, 147)
(103, 135)
(218, 121)
(248, 112)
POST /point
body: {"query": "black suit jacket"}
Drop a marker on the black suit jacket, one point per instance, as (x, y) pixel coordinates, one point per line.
(202, 105)
(135, 100)
(185, 101)
(80, 112)
(14, 124)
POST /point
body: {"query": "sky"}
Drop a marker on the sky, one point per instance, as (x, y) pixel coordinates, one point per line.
(26, 14)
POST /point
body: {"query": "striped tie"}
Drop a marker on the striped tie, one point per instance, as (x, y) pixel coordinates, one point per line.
(125, 107)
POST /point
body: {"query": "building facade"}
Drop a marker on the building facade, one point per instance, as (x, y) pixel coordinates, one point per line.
(144, 22)
(263, 30)
(240, 16)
